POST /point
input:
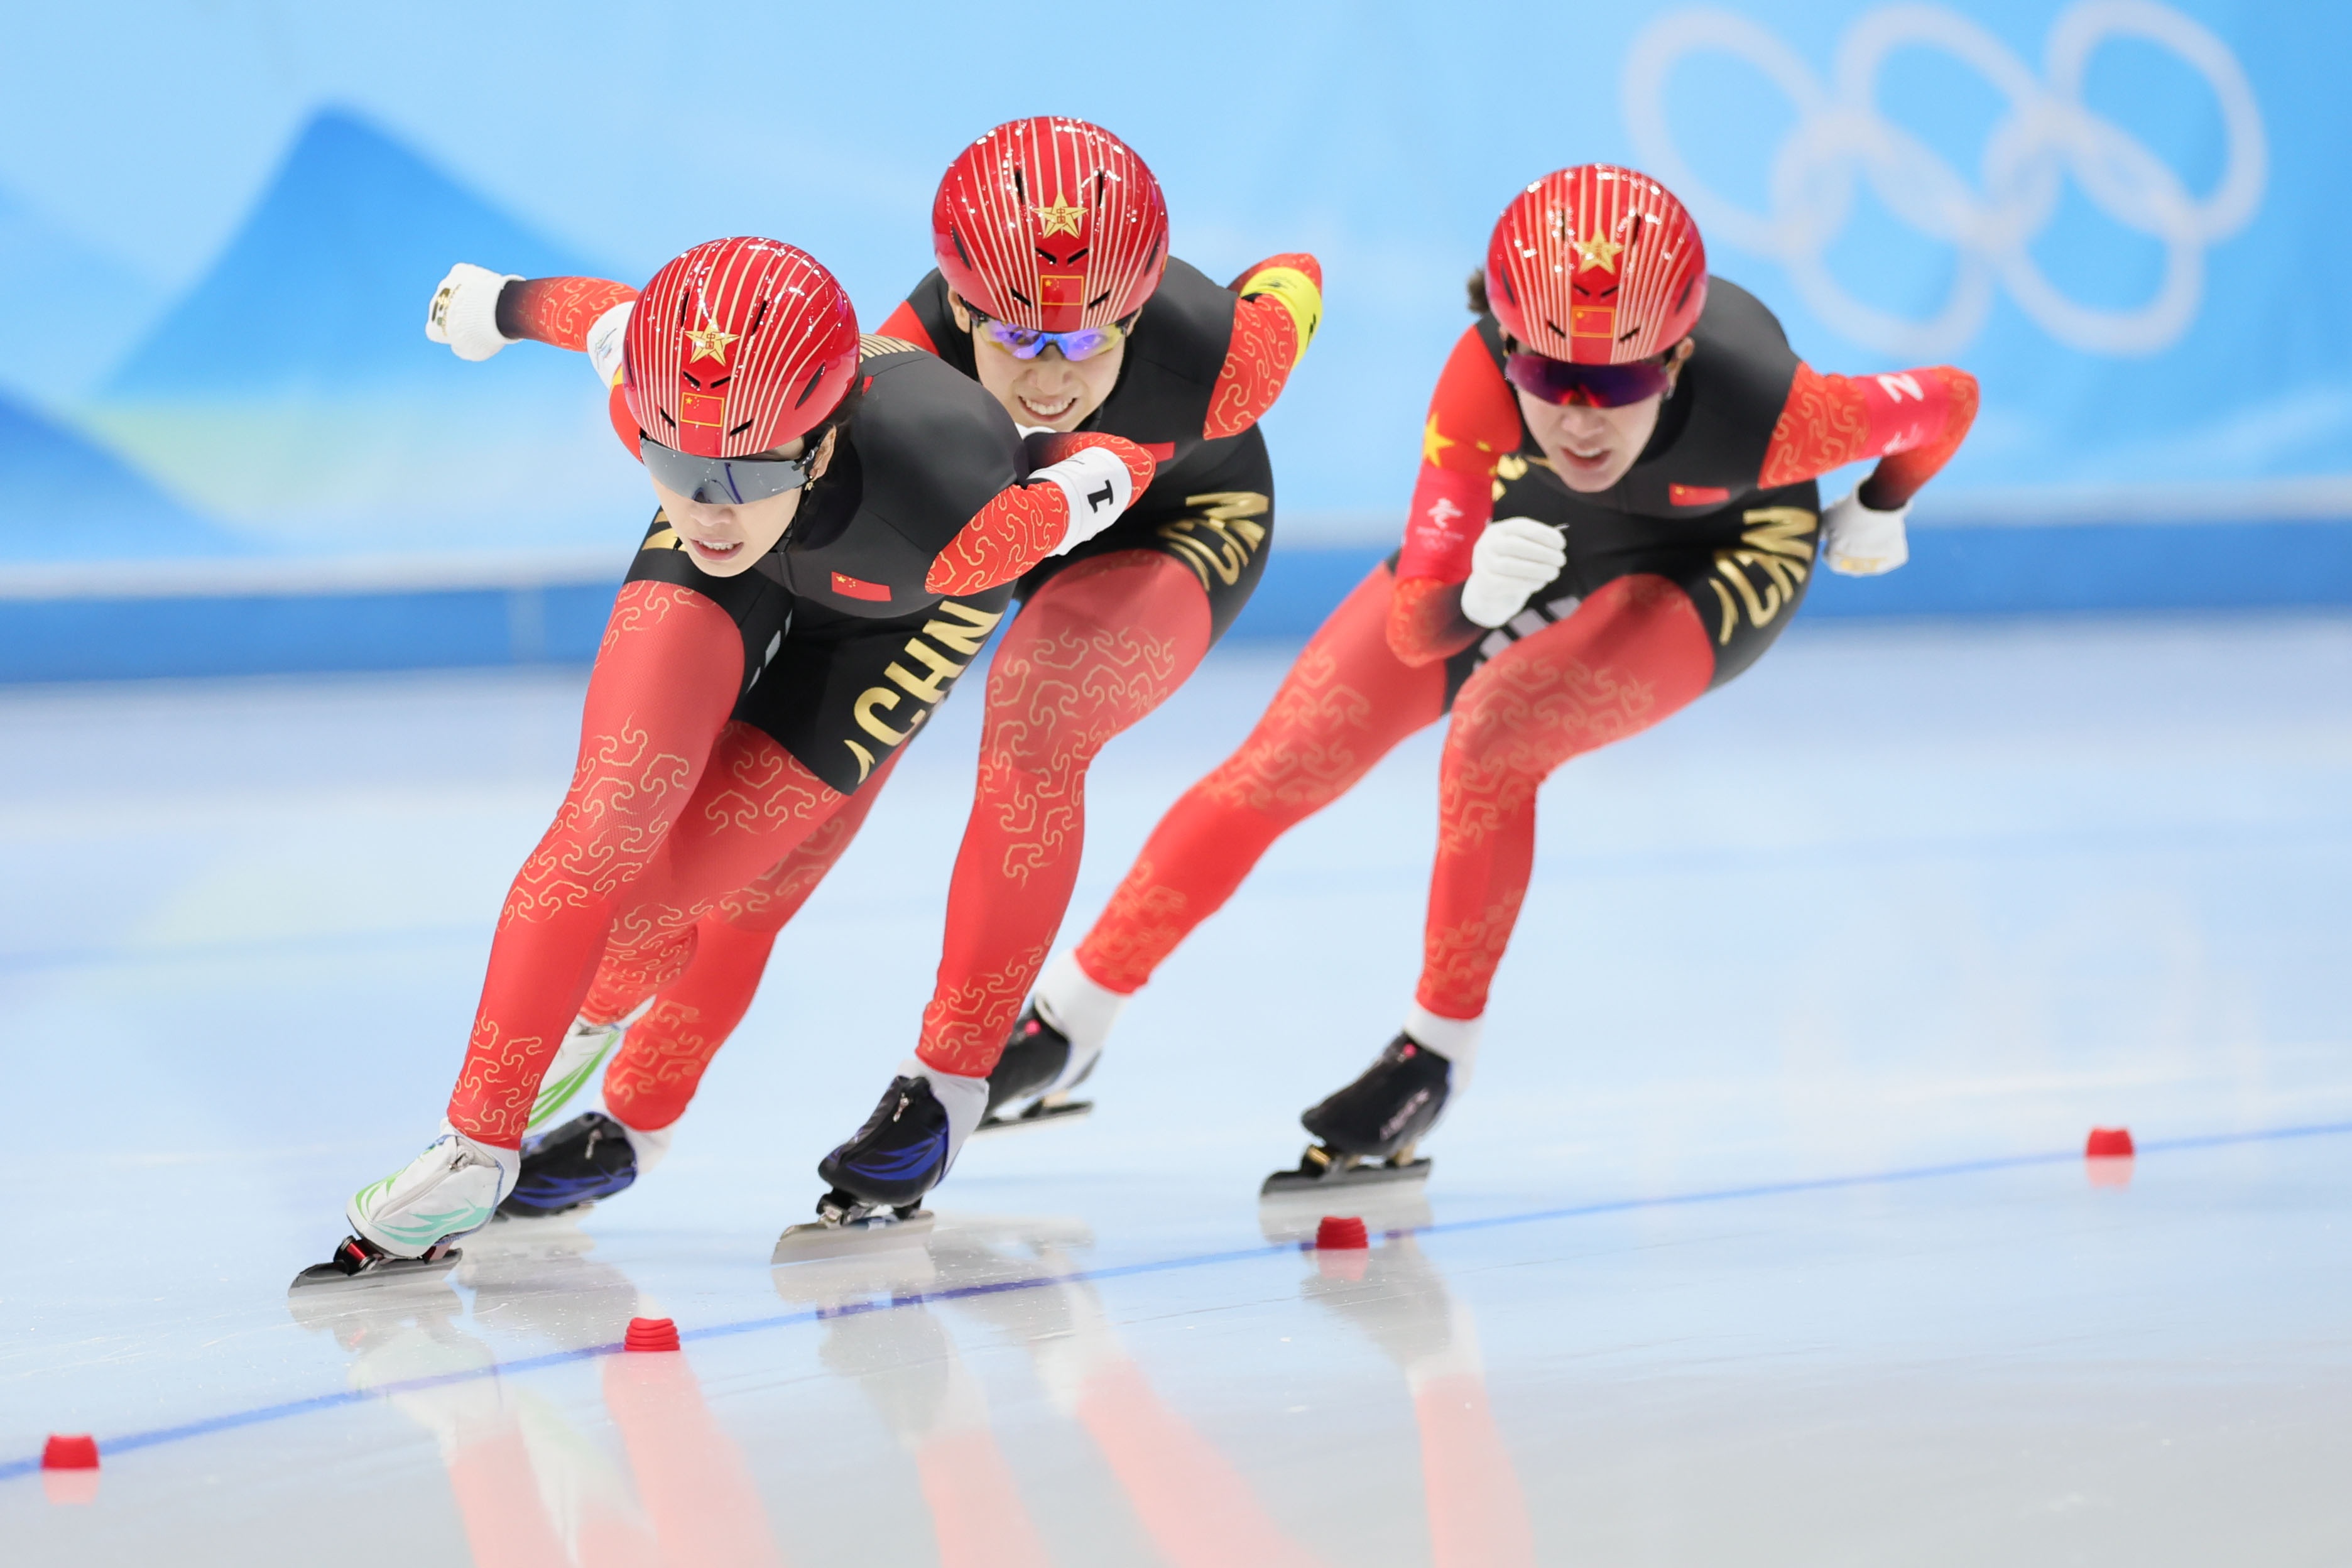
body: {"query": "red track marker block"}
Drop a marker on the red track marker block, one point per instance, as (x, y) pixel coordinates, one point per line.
(650, 1335)
(2109, 1143)
(1339, 1231)
(62, 1453)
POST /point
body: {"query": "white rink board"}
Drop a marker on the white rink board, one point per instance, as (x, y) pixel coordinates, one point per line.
(1899, 900)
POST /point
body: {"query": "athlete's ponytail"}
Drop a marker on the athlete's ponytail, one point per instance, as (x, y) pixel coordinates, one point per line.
(1478, 306)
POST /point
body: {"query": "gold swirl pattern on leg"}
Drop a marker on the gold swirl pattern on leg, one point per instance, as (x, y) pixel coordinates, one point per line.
(1633, 652)
(1097, 649)
(1343, 706)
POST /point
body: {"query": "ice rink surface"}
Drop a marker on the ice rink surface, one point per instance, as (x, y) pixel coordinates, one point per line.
(1763, 1238)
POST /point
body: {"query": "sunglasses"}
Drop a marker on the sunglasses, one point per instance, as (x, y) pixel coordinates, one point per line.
(1022, 343)
(1599, 386)
(722, 481)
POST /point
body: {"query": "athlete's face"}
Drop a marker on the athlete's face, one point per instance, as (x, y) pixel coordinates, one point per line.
(724, 541)
(1049, 390)
(1592, 448)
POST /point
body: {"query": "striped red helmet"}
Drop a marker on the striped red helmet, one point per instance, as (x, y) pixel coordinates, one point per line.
(1051, 224)
(1596, 265)
(737, 346)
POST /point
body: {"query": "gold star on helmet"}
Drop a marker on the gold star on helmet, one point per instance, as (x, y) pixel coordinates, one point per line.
(710, 342)
(1599, 250)
(1060, 218)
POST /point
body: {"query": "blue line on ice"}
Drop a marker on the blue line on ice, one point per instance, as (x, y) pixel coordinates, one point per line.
(136, 1440)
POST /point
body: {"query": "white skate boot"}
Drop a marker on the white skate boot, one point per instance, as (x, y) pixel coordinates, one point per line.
(412, 1216)
(586, 1048)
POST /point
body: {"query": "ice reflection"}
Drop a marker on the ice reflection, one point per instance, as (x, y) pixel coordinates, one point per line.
(902, 1359)
(1398, 1297)
(1194, 1505)
(537, 1488)
(533, 1489)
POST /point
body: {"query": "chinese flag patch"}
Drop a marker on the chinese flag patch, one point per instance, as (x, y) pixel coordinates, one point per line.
(850, 587)
(1698, 495)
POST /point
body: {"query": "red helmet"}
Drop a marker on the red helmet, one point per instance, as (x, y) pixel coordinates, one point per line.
(1597, 265)
(1052, 224)
(737, 346)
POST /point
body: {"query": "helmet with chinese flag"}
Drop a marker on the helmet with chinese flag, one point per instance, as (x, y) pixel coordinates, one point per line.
(1052, 224)
(1596, 265)
(738, 346)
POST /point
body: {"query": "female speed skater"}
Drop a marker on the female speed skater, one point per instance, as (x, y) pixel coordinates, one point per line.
(841, 522)
(1054, 292)
(1615, 515)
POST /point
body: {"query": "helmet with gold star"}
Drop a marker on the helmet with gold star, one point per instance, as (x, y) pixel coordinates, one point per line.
(738, 346)
(1051, 224)
(1596, 265)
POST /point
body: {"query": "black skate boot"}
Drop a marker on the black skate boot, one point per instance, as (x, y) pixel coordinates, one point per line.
(1034, 1058)
(877, 1178)
(1366, 1133)
(587, 1158)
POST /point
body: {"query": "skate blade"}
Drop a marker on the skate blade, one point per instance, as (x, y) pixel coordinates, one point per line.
(1379, 1174)
(1037, 1115)
(381, 1271)
(807, 1243)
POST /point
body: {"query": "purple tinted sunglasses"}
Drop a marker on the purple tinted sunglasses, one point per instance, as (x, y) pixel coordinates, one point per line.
(1024, 343)
(1599, 386)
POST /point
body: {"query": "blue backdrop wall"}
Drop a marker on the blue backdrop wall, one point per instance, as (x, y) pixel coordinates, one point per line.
(2122, 214)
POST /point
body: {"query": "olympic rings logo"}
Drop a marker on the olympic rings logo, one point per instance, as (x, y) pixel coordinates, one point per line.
(2046, 137)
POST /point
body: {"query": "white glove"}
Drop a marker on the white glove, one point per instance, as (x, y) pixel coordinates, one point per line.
(1515, 556)
(1861, 542)
(465, 311)
(1098, 487)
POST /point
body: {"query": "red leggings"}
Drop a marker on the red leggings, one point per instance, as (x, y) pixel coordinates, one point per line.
(1097, 649)
(672, 807)
(707, 975)
(1101, 645)
(1633, 653)
(1079, 665)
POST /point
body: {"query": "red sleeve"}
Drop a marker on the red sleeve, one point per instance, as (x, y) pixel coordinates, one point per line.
(907, 327)
(1281, 304)
(1473, 424)
(1913, 421)
(1024, 524)
(625, 424)
(1425, 621)
(558, 310)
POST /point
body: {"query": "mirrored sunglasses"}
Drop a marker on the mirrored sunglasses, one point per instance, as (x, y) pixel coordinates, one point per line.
(1022, 343)
(1598, 385)
(722, 481)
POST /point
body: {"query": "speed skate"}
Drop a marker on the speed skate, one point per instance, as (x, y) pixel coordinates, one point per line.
(1324, 1168)
(849, 1227)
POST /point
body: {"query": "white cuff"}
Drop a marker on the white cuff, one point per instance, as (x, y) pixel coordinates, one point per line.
(1456, 1039)
(1098, 487)
(965, 1100)
(1082, 1007)
(605, 337)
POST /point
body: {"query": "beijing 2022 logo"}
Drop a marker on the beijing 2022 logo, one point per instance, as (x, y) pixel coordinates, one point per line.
(2046, 137)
